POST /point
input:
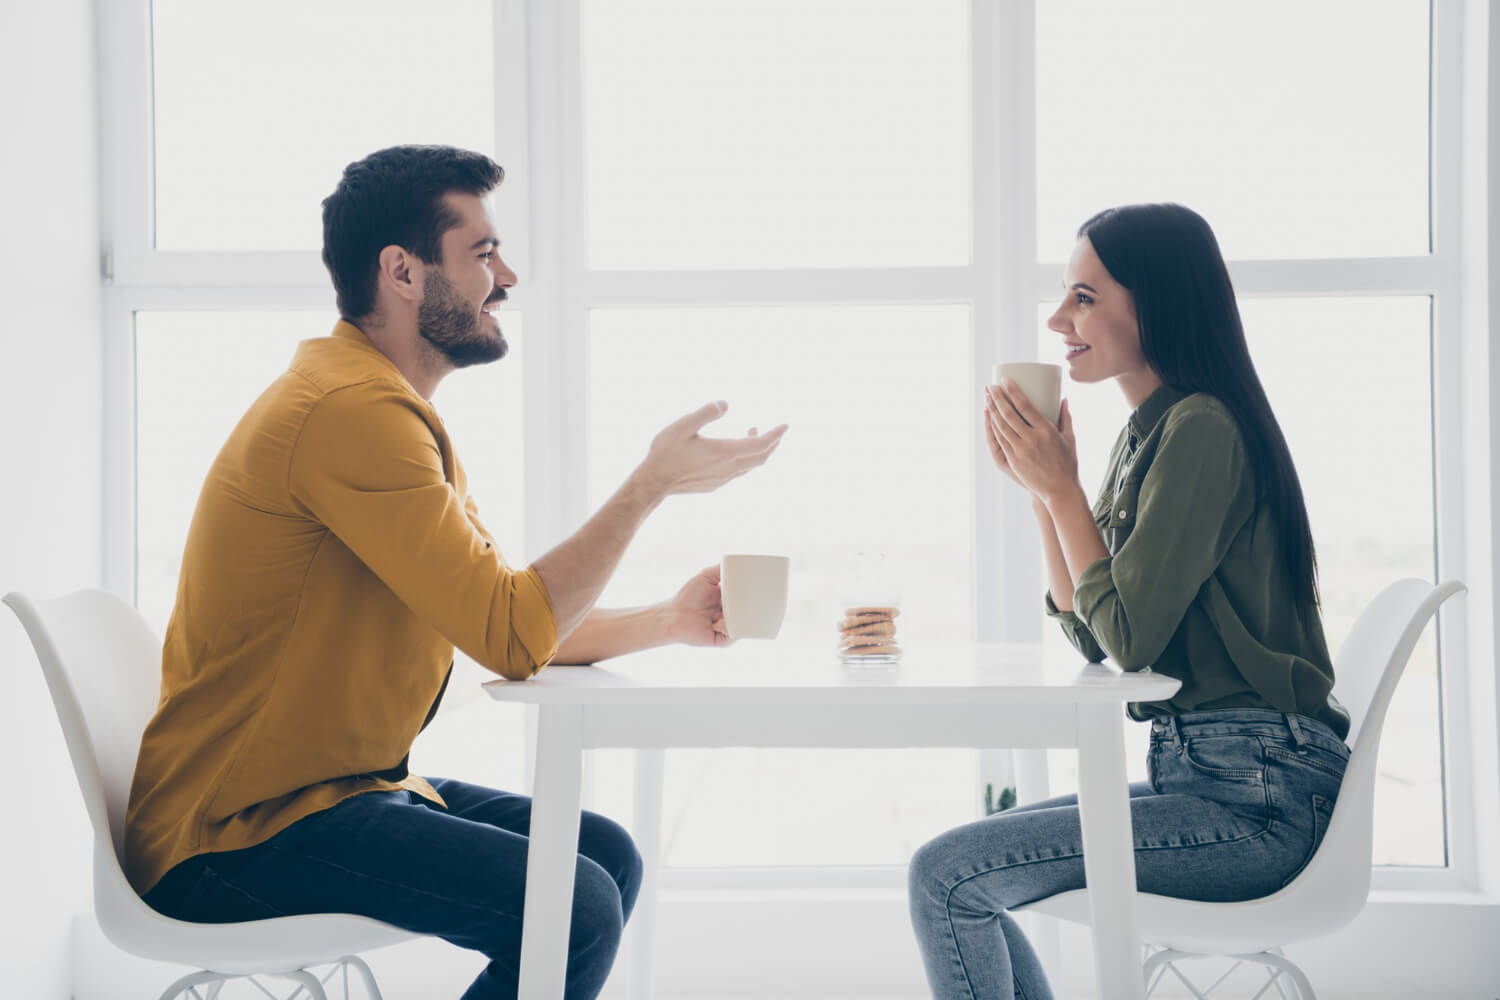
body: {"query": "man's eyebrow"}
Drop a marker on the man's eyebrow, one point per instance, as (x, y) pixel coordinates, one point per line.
(489, 242)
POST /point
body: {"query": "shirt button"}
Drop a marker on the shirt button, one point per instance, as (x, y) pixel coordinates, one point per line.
(1123, 515)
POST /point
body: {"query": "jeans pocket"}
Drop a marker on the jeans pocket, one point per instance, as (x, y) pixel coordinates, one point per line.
(1226, 758)
(1325, 762)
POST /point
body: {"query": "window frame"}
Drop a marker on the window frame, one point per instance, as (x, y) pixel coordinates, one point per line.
(540, 208)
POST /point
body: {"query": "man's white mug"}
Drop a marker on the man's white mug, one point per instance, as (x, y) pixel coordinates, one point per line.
(753, 589)
(1042, 384)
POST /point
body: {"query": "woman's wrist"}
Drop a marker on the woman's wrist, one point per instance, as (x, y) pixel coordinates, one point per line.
(1068, 496)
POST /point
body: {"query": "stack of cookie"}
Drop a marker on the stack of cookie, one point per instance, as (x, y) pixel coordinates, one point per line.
(869, 633)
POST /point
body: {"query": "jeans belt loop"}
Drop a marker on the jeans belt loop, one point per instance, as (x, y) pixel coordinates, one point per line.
(1297, 737)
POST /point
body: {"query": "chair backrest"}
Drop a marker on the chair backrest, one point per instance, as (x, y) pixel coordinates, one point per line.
(102, 663)
(1366, 670)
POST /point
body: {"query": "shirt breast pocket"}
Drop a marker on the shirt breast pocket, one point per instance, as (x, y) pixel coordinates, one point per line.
(1122, 514)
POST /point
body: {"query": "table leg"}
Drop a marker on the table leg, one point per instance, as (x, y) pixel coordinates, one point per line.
(552, 853)
(1108, 855)
(650, 772)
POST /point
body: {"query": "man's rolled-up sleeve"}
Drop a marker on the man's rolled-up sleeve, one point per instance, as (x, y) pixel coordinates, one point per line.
(368, 467)
(1193, 501)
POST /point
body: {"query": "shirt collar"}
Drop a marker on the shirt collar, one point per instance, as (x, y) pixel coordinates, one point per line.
(1146, 416)
(346, 331)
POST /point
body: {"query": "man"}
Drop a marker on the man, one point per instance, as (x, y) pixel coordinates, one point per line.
(335, 560)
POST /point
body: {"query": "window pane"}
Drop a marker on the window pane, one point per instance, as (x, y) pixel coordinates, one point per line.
(258, 107)
(1349, 380)
(1243, 112)
(877, 458)
(776, 133)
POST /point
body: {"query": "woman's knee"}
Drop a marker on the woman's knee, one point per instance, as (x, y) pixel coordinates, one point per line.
(932, 868)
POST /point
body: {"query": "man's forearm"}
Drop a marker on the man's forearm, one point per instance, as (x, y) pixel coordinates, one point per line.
(1060, 581)
(576, 571)
(604, 633)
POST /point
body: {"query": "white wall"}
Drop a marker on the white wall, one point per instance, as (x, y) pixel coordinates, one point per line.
(50, 458)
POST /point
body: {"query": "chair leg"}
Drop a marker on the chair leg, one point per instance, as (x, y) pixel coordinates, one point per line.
(1286, 967)
(305, 981)
(193, 980)
(366, 976)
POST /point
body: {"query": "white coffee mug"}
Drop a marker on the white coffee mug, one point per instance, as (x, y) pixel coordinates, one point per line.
(1041, 383)
(753, 589)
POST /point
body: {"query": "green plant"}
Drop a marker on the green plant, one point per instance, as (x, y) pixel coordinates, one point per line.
(1007, 799)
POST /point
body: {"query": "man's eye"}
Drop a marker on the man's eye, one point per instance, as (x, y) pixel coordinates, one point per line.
(487, 255)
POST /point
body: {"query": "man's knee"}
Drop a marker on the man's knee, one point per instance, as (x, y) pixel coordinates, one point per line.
(598, 916)
(610, 846)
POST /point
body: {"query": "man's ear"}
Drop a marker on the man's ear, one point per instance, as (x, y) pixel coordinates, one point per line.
(401, 274)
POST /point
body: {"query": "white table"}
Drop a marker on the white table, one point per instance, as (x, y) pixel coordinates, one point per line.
(777, 694)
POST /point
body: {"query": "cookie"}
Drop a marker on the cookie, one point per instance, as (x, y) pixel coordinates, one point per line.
(875, 627)
(888, 649)
(874, 611)
(861, 621)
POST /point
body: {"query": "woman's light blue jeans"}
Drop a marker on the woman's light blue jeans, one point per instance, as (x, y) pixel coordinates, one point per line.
(1235, 805)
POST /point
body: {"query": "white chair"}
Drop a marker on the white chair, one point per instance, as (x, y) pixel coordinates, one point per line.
(103, 667)
(1332, 889)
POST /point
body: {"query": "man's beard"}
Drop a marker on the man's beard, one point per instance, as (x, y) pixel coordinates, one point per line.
(447, 322)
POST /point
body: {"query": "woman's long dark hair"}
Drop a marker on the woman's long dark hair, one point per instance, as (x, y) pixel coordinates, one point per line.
(1166, 256)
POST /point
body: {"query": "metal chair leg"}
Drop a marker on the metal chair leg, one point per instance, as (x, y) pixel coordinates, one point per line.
(304, 979)
(1286, 967)
(366, 976)
(191, 981)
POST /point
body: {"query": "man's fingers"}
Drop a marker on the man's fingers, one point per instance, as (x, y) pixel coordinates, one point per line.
(700, 418)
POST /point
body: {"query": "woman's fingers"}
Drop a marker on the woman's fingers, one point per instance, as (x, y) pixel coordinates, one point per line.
(1008, 423)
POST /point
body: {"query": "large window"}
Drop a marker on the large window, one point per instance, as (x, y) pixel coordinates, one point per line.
(833, 213)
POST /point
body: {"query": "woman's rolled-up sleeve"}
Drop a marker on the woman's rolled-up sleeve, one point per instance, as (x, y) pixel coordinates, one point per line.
(1193, 501)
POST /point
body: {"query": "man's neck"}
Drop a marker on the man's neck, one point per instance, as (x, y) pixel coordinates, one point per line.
(422, 365)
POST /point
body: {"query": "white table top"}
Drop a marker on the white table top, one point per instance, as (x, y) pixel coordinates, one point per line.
(785, 672)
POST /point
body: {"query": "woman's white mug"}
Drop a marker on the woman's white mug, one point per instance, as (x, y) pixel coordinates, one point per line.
(753, 589)
(1042, 384)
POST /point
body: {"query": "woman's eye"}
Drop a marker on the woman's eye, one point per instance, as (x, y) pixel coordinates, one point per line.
(1084, 300)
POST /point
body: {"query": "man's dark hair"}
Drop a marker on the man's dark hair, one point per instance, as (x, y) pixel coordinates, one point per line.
(394, 197)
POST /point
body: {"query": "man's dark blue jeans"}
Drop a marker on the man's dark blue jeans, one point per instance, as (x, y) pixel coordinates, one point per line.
(457, 873)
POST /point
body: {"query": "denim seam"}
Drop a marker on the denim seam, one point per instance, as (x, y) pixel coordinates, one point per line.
(948, 892)
(219, 878)
(398, 885)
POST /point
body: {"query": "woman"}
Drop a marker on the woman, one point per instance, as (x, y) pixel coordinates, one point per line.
(1196, 561)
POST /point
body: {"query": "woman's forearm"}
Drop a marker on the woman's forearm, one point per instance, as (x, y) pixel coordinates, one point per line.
(1076, 535)
(1059, 580)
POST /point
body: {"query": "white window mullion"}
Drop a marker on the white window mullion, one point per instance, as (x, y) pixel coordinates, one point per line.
(126, 130)
(1008, 554)
(1454, 556)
